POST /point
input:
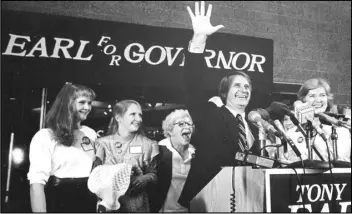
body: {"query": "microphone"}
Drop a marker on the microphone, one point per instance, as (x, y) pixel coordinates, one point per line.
(286, 137)
(277, 110)
(337, 116)
(305, 112)
(256, 160)
(280, 109)
(255, 117)
(331, 120)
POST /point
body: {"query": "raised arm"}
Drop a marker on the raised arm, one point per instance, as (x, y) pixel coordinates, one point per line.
(195, 62)
(202, 27)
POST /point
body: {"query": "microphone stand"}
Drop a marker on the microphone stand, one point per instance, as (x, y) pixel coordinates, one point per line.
(334, 142)
(278, 150)
(310, 163)
(336, 162)
(309, 139)
(262, 140)
(298, 125)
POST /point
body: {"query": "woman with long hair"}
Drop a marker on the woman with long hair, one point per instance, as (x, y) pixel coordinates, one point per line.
(62, 154)
(125, 144)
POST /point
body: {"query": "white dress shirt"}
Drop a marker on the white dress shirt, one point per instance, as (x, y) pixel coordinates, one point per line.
(196, 48)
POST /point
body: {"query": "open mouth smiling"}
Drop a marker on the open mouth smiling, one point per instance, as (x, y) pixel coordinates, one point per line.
(242, 96)
(317, 105)
(186, 134)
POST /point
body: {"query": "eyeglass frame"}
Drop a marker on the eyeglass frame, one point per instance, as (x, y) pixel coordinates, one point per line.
(184, 123)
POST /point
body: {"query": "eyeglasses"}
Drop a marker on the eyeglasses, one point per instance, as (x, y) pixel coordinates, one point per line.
(183, 124)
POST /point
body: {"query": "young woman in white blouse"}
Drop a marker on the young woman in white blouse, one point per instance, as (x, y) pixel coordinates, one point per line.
(61, 155)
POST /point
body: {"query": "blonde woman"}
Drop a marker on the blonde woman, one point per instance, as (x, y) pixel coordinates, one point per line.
(317, 93)
(125, 144)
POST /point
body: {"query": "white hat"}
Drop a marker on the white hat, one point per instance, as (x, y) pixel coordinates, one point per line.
(109, 182)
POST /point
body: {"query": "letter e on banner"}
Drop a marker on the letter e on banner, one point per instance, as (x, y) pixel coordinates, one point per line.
(12, 43)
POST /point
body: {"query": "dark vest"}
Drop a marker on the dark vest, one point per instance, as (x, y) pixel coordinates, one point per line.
(158, 195)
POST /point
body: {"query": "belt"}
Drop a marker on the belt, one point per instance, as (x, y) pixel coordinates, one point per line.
(55, 181)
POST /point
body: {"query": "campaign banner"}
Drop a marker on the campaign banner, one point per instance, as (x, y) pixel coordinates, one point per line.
(308, 191)
(46, 49)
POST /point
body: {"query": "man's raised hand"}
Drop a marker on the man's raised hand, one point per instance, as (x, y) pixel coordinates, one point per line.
(201, 21)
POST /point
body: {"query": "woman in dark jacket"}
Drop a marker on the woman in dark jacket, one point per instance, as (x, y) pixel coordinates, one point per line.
(174, 161)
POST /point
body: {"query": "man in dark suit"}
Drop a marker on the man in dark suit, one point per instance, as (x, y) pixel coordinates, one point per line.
(220, 132)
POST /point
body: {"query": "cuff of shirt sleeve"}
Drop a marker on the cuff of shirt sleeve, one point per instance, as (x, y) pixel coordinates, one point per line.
(196, 48)
(38, 181)
(37, 178)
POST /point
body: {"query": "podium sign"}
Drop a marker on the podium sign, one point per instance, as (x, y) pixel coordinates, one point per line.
(313, 190)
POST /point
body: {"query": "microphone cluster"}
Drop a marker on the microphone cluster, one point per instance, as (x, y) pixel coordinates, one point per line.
(304, 113)
(255, 117)
(278, 110)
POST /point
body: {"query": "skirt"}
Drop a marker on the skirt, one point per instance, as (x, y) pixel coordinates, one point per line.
(69, 195)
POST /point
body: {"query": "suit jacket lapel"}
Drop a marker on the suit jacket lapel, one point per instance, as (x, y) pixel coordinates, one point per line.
(167, 160)
(231, 131)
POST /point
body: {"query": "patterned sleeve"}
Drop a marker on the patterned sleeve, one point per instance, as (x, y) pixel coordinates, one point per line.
(40, 153)
(151, 150)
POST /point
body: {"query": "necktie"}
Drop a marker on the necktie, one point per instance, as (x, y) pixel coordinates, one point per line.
(242, 141)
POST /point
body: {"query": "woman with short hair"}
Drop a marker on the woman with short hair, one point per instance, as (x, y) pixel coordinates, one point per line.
(317, 93)
(174, 161)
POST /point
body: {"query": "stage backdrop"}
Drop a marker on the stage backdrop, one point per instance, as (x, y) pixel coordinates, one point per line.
(47, 50)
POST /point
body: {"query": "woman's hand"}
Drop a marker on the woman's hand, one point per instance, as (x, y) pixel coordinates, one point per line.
(140, 182)
(201, 22)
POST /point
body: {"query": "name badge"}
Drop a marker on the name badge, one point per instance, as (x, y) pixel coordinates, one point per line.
(136, 149)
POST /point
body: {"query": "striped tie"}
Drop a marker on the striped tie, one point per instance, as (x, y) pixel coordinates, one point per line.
(242, 134)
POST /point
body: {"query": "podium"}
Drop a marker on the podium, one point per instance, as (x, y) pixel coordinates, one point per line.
(245, 189)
